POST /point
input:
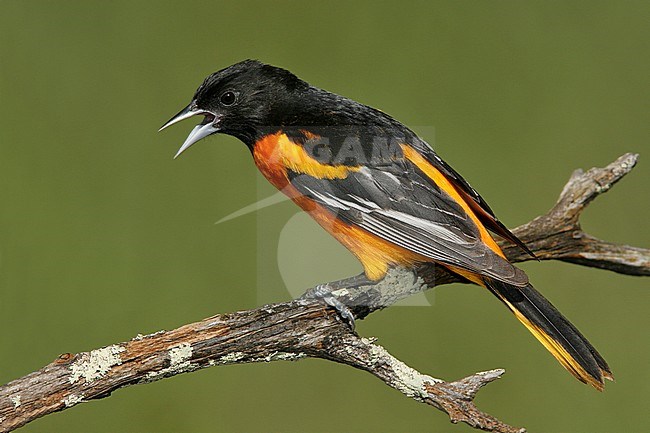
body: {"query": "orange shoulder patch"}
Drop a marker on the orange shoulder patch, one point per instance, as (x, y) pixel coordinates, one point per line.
(276, 153)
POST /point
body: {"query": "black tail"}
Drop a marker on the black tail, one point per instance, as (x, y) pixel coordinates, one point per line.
(554, 331)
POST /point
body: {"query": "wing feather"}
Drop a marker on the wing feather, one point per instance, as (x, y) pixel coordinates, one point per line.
(402, 206)
(474, 199)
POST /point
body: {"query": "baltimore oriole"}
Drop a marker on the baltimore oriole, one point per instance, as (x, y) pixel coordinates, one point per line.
(379, 189)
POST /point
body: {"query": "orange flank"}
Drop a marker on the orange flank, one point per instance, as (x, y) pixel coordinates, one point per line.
(444, 183)
(374, 253)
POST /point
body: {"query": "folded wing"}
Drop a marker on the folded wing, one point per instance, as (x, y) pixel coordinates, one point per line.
(398, 203)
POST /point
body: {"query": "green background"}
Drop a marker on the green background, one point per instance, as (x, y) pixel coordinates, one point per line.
(104, 236)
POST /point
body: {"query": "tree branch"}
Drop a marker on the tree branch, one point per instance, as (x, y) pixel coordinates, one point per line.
(306, 328)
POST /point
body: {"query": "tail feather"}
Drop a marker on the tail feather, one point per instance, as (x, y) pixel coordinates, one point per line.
(554, 331)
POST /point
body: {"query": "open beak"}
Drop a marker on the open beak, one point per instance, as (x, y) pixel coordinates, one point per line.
(202, 130)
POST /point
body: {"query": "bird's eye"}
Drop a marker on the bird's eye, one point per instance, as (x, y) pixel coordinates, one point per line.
(228, 98)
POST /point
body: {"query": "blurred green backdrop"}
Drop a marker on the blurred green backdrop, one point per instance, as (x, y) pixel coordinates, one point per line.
(103, 236)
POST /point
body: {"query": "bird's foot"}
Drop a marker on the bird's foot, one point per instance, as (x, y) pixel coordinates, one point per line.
(323, 292)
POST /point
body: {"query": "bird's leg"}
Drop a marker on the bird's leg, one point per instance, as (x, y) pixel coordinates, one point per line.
(327, 294)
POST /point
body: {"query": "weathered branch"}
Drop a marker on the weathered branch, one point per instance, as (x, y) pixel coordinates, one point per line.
(298, 329)
(565, 240)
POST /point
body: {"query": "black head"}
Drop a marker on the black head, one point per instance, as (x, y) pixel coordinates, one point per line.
(241, 100)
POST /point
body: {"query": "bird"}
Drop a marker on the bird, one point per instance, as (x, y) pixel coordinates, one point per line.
(379, 189)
